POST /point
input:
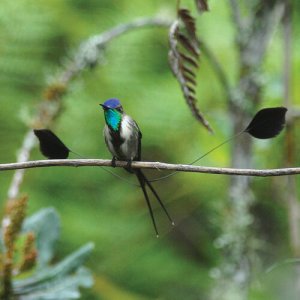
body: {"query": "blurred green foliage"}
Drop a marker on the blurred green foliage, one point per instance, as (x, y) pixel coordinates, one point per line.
(128, 261)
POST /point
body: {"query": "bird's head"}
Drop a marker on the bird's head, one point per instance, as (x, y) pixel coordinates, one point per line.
(113, 112)
(112, 104)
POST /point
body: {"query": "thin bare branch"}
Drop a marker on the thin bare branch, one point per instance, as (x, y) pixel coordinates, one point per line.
(149, 165)
(236, 15)
(28, 144)
(88, 52)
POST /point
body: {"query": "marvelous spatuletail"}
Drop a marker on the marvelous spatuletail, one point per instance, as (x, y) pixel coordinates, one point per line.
(123, 139)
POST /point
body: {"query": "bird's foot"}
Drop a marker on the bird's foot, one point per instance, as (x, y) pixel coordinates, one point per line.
(113, 162)
(129, 167)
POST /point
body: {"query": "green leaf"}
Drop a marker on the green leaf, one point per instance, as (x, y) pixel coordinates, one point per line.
(46, 226)
(65, 276)
(65, 288)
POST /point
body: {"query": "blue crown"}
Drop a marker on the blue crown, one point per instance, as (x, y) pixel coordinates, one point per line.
(112, 103)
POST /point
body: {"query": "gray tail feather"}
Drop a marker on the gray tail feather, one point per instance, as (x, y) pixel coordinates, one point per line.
(143, 180)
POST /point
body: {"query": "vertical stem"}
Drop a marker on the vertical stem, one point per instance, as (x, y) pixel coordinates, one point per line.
(177, 6)
(291, 194)
(237, 240)
(290, 140)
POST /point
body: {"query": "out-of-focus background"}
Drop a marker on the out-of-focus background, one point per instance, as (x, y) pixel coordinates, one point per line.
(189, 261)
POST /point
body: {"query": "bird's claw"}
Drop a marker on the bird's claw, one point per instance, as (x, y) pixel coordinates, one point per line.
(129, 167)
(113, 162)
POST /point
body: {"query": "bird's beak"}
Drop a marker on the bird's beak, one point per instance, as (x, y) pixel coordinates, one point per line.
(103, 106)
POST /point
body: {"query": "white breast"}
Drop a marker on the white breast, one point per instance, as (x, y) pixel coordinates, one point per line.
(108, 141)
(130, 135)
(126, 131)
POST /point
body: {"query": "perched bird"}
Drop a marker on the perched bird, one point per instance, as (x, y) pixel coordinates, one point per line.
(123, 139)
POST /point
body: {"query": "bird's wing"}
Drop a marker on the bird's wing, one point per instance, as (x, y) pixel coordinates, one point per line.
(139, 136)
(140, 147)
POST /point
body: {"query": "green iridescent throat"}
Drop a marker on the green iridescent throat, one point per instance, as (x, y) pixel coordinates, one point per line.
(113, 118)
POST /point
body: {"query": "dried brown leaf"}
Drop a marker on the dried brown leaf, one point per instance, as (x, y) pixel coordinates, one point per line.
(183, 58)
(198, 115)
(188, 21)
(188, 71)
(189, 60)
(191, 90)
(188, 45)
(189, 79)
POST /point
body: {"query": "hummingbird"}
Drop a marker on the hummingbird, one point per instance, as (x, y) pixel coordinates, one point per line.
(123, 139)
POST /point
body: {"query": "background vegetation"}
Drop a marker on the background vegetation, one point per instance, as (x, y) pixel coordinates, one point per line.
(128, 261)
